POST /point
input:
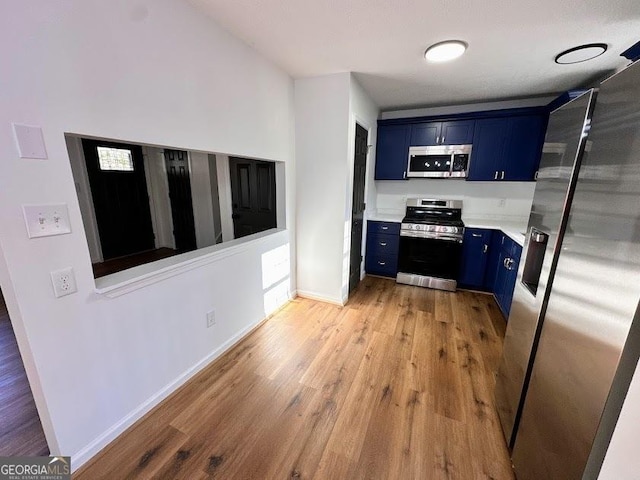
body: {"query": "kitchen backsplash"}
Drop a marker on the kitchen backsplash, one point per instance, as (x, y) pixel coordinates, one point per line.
(488, 200)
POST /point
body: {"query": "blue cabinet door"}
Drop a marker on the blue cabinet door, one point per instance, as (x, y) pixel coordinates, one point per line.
(475, 252)
(487, 153)
(524, 147)
(425, 134)
(457, 132)
(500, 287)
(507, 273)
(511, 276)
(492, 260)
(392, 152)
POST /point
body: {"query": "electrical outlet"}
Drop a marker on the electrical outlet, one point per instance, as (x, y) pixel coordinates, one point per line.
(502, 202)
(64, 282)
(211, 318)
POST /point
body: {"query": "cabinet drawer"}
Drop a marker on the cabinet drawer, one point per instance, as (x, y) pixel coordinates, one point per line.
(384, 265)
(380, 244)
(390, 228)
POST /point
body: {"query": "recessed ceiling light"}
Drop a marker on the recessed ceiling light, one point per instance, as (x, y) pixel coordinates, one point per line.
(445, 51)
(581, 53)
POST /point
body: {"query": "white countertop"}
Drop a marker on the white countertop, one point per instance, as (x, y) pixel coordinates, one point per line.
(514, 228)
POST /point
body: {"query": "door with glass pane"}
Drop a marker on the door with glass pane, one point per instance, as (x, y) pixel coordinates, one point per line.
(120, 198)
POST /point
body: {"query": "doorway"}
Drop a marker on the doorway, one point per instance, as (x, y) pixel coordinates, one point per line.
(253, 196)
(120, 198)
(358, 205)
(21, 431)
(184, 229)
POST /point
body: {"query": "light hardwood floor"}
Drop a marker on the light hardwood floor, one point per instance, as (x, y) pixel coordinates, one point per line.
(398, 384)
(20, 428)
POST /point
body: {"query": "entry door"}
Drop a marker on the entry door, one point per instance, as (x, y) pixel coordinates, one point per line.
(184, 229)
(357, 210)
(120, 198)
(253, 196)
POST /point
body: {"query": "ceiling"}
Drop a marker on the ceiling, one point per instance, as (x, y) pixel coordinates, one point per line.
(512, 44)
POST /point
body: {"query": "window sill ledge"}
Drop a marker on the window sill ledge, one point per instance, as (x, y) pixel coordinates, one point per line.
(132, 279)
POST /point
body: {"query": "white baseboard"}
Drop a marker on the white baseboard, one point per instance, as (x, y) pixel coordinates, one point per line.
(85, 454)
(320, 297)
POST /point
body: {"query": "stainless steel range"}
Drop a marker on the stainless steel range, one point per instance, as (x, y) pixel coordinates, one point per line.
(431, 243)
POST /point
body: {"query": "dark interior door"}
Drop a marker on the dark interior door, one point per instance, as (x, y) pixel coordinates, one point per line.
(184, 229)
(120, 198)
(357, 210)
(253, 196)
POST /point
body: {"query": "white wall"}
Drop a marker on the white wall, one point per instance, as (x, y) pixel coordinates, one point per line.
(224, 195)
(215, 197)
(100, 68)
(481, 200)
(85, 200)
(622, 461)
(327, 109)
(158, 186)
(364, 111)
(200, 179)
(467, 107)
(322, 149)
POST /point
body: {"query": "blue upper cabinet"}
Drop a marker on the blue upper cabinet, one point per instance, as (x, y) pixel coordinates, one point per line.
(524, 148)
(459, 132)
(507, 144)
(487, 153)
(456, 132)
(425, 134)
(392, 153)
(507, 148)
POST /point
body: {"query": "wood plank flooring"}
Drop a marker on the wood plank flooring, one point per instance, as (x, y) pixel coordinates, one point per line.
(398, 384)
(20, 428)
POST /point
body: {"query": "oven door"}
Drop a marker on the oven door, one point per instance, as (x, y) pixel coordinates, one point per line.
(430, 257)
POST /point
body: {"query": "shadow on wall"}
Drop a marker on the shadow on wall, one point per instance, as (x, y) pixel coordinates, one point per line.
(275, 278)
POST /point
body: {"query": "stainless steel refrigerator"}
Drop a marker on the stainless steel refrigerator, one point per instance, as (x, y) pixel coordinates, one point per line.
(589, 339)
(562, 154)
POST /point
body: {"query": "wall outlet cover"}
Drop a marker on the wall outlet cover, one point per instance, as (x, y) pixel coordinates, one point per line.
(29, 141)
(211, 318)
(64, 282)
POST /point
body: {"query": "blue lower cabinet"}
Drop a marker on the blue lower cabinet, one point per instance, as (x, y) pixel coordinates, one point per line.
(383, 241)
(386, 266)
(506, 273)
(475, 253)
(511, 277)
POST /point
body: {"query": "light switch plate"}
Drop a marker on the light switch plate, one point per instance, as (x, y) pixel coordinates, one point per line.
(29, 141)
(46, 220)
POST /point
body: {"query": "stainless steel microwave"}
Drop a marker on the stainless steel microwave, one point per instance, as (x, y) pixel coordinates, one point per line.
(439, 161)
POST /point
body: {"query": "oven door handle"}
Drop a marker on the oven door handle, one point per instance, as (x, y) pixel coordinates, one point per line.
(432, 236)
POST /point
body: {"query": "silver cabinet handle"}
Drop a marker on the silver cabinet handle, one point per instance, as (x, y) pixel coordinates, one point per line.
(535, 176)
(383, 244)
(382, 264)
(384, 227)
(404, 175)
(502, 177)
(485, 248)
(442, 139)
(495, 177)
(477, 235)
(505, 263)
(438, 139)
